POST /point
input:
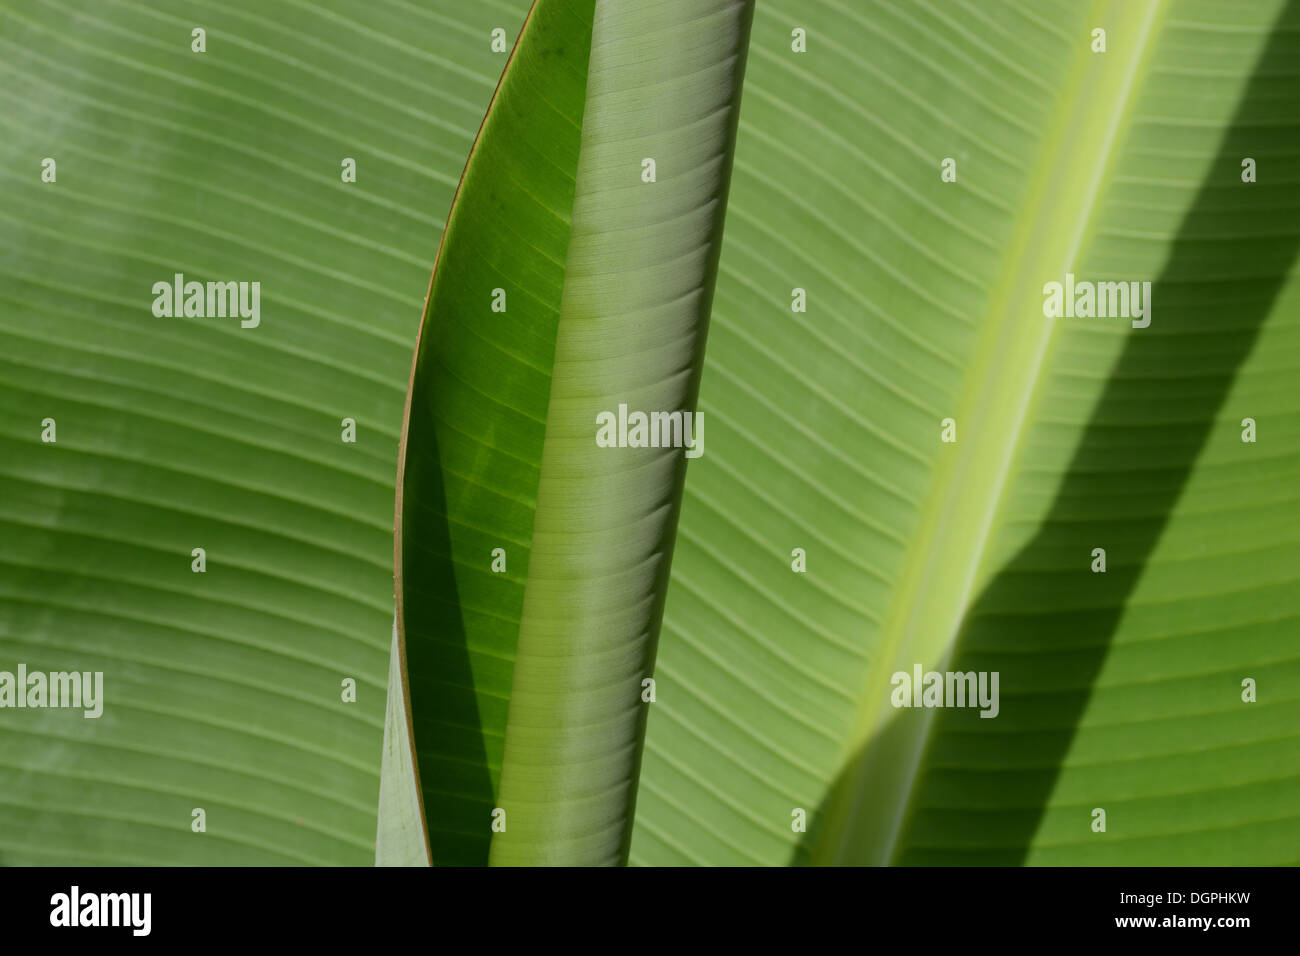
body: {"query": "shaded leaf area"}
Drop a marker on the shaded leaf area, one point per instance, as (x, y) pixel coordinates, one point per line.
(1123, 691)
(224, 689)
(1119, 690)
(476, 421)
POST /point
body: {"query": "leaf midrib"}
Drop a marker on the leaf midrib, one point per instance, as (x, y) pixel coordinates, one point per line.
(919, 601)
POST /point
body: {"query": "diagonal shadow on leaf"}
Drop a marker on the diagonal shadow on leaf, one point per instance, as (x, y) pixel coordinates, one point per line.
(1061, 623)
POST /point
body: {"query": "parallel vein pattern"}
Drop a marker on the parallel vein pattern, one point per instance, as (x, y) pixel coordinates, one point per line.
(223, 689)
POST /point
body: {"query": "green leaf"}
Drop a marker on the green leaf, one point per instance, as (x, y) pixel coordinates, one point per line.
(605, 307)
(474, 433)
(1120, 690)
(223, 689)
